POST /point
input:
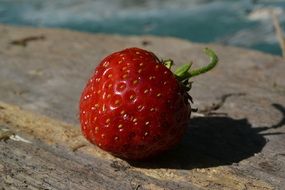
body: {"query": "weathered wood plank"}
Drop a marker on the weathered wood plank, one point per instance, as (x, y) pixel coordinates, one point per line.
(236, 144)
(46, 159)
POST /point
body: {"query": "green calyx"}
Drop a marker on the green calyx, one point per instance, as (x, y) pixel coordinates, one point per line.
(168, 63)
(184, 73)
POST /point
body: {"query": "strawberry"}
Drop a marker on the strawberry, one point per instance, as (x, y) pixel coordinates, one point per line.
(134, 107)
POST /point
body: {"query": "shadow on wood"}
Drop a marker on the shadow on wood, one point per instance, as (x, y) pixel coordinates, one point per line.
(214, 141)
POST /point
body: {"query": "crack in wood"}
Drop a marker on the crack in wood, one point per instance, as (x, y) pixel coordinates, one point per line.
(137, 187)
(5, 134)
(24, 41)
(77, 147)
(282, 111)
(219, 104)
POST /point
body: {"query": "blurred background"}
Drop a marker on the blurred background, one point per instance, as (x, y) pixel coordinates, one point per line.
(243, 23)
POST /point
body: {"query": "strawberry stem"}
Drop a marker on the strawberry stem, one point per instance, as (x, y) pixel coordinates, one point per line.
(213, 62)
(184, 72)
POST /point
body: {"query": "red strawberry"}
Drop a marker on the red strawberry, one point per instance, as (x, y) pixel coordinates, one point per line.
(133, 106)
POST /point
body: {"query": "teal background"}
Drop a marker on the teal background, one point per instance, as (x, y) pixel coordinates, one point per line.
(241, 23)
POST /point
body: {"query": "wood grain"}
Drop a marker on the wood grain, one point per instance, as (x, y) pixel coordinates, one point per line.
(47, 160)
